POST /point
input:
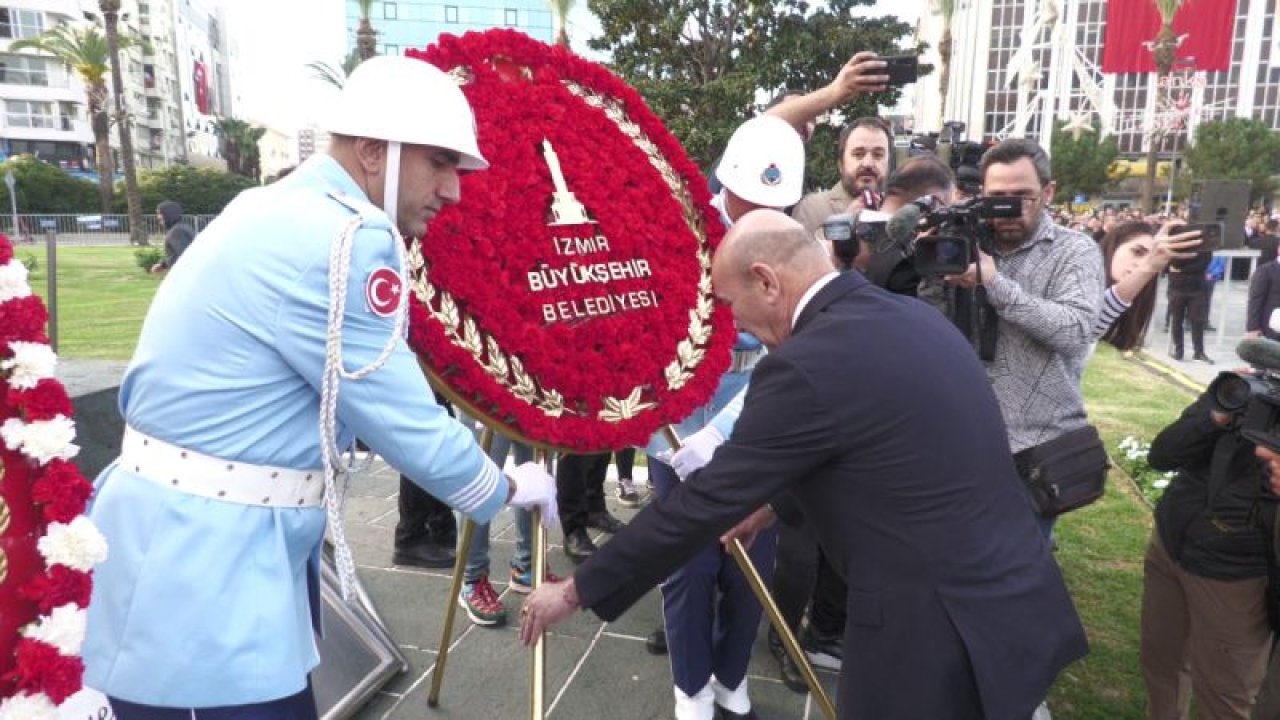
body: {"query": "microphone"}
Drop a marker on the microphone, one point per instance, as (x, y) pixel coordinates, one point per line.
(1261, 353)
(903, 226)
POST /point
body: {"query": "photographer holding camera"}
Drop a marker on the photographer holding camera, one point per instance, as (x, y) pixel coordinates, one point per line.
(1205, 571)
(1039, 287)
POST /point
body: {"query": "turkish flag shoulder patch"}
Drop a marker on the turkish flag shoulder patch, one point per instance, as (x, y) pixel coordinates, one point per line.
(382, 291)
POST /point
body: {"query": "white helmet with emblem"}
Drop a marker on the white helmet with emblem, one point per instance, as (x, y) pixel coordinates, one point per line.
(400, 99)
(764, 163)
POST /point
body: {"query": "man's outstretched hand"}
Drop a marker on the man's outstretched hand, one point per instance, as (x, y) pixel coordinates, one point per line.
(548, 605)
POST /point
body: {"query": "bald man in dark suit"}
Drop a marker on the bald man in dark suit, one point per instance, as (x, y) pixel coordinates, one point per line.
(873, 417)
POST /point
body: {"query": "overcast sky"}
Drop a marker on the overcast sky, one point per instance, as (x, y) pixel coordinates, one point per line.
(277, 38)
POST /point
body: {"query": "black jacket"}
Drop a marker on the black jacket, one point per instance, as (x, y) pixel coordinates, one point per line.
(1211, 524)
(1264, 296)
(178, 235)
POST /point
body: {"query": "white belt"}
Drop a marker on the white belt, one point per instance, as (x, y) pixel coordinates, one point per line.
(744, 360)
(207, 476)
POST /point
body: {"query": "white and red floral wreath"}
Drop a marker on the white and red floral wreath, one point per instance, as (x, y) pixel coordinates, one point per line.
(47, 546)
(567, 299)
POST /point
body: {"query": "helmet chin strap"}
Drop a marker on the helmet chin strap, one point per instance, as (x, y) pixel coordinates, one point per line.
(391, 192)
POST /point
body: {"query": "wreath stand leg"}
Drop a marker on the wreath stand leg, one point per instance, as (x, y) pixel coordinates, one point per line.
(455, 588)
(538, 667)
(752, 575)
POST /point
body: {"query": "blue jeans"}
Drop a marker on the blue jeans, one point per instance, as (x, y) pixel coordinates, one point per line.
(478, 558)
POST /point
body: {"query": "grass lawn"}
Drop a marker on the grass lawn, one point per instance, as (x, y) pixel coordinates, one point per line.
(103, 297)
(1100, 548)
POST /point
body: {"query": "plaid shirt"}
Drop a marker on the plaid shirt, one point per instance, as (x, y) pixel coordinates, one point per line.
(1047, 295)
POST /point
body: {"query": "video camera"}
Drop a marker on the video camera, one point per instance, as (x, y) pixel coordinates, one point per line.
(847, 234)
(960, 231)
(1253, 398)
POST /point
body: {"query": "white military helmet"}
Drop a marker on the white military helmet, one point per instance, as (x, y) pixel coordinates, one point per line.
(400, 99)
(764, 163)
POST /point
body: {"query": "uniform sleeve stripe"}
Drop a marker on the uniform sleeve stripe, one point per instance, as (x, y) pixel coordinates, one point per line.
(475, 493)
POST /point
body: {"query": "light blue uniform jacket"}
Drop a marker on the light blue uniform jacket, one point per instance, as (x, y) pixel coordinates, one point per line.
(203, 602)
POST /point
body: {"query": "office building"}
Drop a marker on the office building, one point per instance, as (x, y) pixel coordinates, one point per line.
(403, 24)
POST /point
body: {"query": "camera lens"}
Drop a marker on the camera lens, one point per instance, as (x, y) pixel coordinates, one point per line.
(1231, 392)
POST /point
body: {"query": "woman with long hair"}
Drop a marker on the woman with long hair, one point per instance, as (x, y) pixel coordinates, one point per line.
(1135, 254)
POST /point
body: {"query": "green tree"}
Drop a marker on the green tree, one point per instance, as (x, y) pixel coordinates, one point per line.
(1236, 148)
(84, 51)
(560, 20)
(1164, 50)
(335, 76)
(238, 142)
(200, 191)
(366, 36)
(700, 63)
(1082, 165)
(115, 43)
(946, 9)
(44, 188)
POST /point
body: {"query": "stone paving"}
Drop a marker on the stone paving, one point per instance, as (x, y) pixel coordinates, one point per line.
(594, 670)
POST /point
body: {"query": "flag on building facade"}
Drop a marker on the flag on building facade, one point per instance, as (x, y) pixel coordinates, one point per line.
(1206, 27)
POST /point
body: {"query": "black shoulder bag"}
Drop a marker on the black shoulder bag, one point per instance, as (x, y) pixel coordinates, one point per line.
(1065, 473)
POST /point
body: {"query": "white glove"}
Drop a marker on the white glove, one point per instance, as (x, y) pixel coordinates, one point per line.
(696, 451)
(535, 488)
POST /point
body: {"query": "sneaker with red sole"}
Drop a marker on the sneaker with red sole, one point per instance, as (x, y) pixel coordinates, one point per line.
(482, 603)
(522, 580)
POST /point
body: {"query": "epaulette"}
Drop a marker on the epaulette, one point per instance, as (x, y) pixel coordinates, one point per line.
(365, 209)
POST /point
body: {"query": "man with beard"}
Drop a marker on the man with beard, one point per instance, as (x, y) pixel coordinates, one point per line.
(1045, 285)
(862, 156)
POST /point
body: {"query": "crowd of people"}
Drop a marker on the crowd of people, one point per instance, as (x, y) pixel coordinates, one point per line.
(893, 445)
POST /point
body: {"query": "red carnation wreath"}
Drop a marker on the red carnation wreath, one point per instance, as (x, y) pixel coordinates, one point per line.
(567, 298)
(47, 546)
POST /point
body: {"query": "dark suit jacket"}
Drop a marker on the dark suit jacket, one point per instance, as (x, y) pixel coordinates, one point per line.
(1264, 296)
(879, 421)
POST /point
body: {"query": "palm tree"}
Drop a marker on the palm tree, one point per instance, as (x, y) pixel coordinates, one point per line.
(111, 21)
(84, 50)
(336, 77)
(1164, 50)
(947, 10)
(238, 141)
(366, 36)
(560, 16)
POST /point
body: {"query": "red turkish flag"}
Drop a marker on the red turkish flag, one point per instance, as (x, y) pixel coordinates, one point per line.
(1208, 24)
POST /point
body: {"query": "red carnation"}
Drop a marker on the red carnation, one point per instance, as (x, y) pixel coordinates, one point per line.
(59, 586)
(22, 319)
(62, 491)
(45, 401)
(6, 250)
(39, 667)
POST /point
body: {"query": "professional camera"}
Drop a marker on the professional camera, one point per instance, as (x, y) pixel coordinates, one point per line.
(847, 234)
(1255, 400)
(960, 231)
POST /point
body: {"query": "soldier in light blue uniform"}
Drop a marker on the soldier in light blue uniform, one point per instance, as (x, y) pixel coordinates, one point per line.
(215, 510)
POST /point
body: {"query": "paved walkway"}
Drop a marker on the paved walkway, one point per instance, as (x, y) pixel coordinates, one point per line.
(594, 670)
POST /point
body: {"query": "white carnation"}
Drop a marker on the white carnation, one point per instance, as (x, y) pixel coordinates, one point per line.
(28, 707)
(63, 628)
(12, 432)
(42, 440)
(13, 280)
(31, 363)
(77, 544)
